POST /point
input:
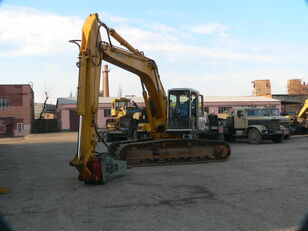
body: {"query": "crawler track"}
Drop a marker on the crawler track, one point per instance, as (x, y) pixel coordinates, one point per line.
(171, 151)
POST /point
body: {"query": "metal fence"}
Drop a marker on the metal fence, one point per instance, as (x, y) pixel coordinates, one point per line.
(45, 125)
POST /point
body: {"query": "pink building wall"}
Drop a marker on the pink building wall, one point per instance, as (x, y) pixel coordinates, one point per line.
(18, 115)
(63, 115)
(214, 106)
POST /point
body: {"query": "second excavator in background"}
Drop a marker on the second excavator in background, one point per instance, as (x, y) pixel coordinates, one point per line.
(175, 122)
(124, 120)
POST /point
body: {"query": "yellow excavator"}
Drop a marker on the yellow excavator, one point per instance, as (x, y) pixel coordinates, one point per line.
(175, 122)
(302, 118)
(123, 106)
(304, 111)
(125, 115)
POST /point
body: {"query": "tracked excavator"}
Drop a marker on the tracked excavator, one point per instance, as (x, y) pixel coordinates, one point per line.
(122, 125)
(175, 122)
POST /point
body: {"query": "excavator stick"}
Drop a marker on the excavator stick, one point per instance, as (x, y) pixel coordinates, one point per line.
(171, 151)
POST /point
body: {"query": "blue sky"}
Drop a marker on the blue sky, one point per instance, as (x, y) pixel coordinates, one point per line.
(216, 47)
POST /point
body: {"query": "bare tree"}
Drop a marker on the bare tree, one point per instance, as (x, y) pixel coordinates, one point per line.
(44, 105)
(47, 94)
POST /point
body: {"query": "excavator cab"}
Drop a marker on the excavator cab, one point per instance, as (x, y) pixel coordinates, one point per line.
(122, 107)
(185, 106)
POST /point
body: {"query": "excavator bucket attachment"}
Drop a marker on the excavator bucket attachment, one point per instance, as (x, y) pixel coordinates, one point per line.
(171, 151)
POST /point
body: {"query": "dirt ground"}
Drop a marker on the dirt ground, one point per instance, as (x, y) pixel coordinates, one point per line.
(260, 187)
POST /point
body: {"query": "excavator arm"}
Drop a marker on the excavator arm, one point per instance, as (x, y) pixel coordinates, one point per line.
(153, 92)
(304, 111)
(87, 102)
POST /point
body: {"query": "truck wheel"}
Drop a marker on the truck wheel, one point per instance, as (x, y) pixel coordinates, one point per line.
(254, 136)
(277, 139)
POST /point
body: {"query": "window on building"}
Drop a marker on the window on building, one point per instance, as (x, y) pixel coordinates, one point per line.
(20, 127)
(4, 103)
(223, 109)
(107, 112)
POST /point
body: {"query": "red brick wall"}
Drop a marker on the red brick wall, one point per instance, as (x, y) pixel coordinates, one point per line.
(14, 93)
(21, 106)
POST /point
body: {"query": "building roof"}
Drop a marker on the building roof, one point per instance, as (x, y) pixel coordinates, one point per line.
(238, 99)
(291, 99)
(18, 84)
(49, 108)
(68, 100)
(139, 99)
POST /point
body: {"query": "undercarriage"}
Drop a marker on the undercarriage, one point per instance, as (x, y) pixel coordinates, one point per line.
(170, 151)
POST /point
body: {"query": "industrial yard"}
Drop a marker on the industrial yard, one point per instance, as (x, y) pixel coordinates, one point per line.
(156, 116)
(260, 187)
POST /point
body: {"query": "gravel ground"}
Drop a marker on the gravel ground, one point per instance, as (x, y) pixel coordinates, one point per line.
(260, 187)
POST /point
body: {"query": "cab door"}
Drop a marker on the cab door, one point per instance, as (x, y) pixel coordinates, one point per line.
(239, 120)
(179, 110)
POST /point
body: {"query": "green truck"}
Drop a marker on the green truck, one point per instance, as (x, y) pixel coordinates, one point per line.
(256, 124)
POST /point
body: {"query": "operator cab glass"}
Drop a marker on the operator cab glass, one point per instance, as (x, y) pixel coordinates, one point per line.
(121, 104)
(183, 109)
(273, 111)
(127, 105)
(262, 112)
(255, 112)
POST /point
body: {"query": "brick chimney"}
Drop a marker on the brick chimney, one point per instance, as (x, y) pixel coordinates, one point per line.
(105, 81)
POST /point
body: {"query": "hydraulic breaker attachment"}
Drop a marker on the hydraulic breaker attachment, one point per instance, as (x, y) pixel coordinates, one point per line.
(111, 167)
(105, 166)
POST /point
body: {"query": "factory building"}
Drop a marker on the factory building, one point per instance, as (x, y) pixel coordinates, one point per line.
(296, 87)
(261, 87)
(16, 110)
(292, 102)
(68, 119)
(220, 104)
